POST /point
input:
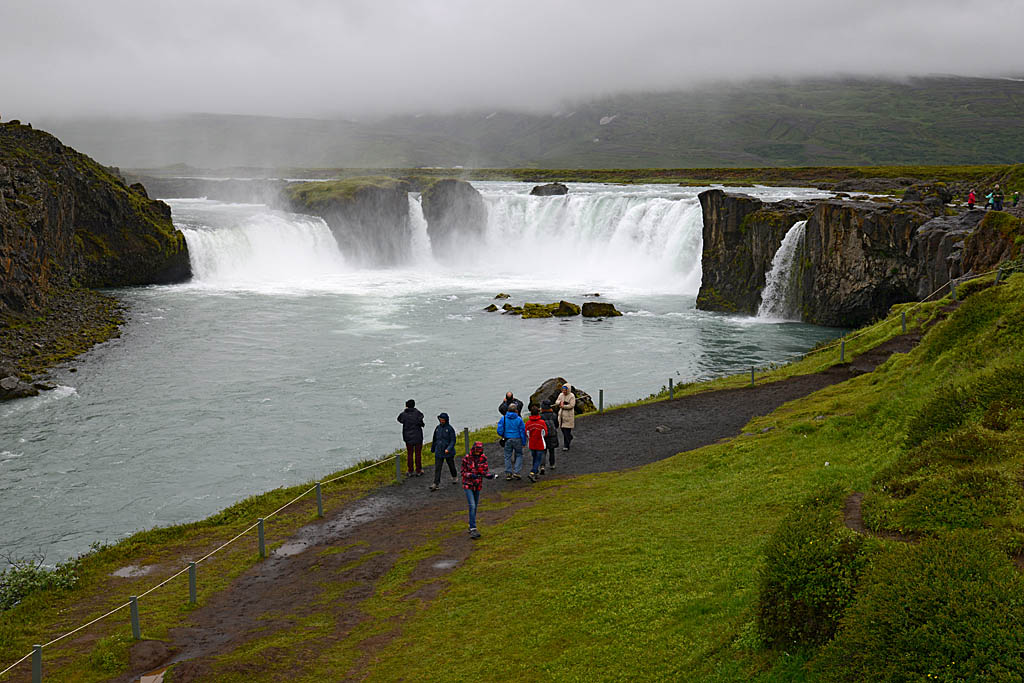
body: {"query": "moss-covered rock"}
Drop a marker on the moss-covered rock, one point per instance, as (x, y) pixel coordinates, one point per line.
(595, 309)
(66, 220)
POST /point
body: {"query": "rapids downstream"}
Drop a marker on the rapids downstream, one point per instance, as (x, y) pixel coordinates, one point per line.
(285, 359)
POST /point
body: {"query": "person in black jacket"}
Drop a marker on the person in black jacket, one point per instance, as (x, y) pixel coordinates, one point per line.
(552, 437)
(509, 400)
(412, 434)
(443, 448)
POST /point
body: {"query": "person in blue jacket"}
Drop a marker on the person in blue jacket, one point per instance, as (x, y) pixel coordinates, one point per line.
(443, 448)
(512, 435)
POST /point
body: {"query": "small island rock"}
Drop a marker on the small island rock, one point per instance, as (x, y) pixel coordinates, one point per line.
(549, 190)
(594, 309)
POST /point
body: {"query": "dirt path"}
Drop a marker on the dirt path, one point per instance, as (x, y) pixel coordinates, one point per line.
(359, 544)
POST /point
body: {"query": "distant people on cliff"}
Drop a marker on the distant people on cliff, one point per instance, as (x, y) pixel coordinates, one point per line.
(412, 434)
(1016, 198)
(971, 198)
(997, 199)
(512, 436)
(443, 448)
(989, 200)
(474, 471)
(536, 430)
(566, 404)
(509, 400)
(552, 437)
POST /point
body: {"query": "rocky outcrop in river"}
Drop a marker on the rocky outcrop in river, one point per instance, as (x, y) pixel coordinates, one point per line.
(857, 258)
(368, 216)
(455, 213)
(68, 221)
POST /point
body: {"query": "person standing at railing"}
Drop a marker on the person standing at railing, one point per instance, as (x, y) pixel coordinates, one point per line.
(443, 448)
(474, 471)
(412, 434)
(566, 403)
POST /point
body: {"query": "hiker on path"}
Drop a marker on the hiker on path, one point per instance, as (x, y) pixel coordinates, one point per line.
(536, 430)
(989, 200)
(509, 400)
(552, 438)
(443, 448)
(1016, 198)
(512, 434)
(474, 471)
(566, 404)
(997, 198)
(412, 434)
(971, 197)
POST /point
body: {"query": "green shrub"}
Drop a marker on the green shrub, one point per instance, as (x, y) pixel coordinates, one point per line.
(27, 576)
(950, 608)
(952, 405)
(811, 568)
(958, 499)
(965, 446)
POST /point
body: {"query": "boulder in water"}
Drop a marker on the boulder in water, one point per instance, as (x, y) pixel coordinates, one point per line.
(455, 212)
(502, 295)
(491, 309)
(537, 310)
(549, 190)
(561, 309)
(12, 387)
(595, 309)
(550, 390)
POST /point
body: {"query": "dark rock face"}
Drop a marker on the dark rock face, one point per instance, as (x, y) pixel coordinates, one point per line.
(594, 309)
(549, 190)
(455, 212)
(550, 390)
(67, 220)
(368, 216)
(741, 236)
(12, 387)
(858, 258)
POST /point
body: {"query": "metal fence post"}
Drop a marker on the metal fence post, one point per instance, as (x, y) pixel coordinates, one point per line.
(398, 467)
(319, 501)
(952, 290)
(465, 438)
(842, 350)
(191, 583)
(751, 375)
(136, 630)
(262, 537)
(903, 321)
(670, 389)
(600, 400)
(999, 276)
(37, 664)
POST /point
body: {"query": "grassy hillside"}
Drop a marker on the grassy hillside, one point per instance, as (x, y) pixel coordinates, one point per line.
(764, 123)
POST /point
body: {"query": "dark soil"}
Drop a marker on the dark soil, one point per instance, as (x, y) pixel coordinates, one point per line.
(359, 544)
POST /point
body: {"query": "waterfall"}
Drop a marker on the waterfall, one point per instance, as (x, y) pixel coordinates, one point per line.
(779, 298)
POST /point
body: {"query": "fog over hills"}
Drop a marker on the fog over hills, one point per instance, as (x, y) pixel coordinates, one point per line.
(934, 120)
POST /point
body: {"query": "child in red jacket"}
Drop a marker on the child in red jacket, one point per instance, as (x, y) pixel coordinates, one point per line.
(536, 430)
(474, 471)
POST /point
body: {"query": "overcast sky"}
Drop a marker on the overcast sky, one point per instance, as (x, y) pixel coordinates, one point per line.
(349, 57)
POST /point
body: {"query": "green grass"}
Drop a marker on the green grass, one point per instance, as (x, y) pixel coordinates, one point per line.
(323, 194)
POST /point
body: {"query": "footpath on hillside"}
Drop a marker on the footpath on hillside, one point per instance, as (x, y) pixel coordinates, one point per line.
(359, 544)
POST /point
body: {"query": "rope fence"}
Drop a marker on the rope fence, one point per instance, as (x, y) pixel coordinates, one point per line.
(190, 569)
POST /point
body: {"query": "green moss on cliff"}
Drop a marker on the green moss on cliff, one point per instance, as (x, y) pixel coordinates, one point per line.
(320, 195)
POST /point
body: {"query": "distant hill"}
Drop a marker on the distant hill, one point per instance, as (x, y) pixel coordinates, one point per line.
(947, 120)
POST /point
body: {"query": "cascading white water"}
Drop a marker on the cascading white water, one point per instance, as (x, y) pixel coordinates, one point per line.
(778, 298)
(421, 253)
(612, 237)
(262, 248)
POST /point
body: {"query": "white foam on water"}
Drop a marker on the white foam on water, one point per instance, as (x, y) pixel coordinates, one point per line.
(44, 398)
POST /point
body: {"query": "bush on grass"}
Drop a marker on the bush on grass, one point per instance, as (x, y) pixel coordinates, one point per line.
(27, 576)
(811, 569)
(949, 608)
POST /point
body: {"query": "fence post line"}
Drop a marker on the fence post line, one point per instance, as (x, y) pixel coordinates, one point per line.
(600, 400)
(670, 389)
(903, 321)
(398, 467)
(999, 275)
(191, 583)
(751, 375)
(465, 438)
(136, 630)
(842, 350)
(952, 289)
(37, 664)
(262, 538)
(319, 501)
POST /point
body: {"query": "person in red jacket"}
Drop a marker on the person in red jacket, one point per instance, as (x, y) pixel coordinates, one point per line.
(536, 430)
(970, 199)
(474, 471)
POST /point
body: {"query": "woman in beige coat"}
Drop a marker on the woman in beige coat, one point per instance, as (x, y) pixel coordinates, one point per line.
(566, 405)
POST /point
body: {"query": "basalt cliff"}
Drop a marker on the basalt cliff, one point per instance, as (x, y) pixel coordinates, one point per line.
(858, 256)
